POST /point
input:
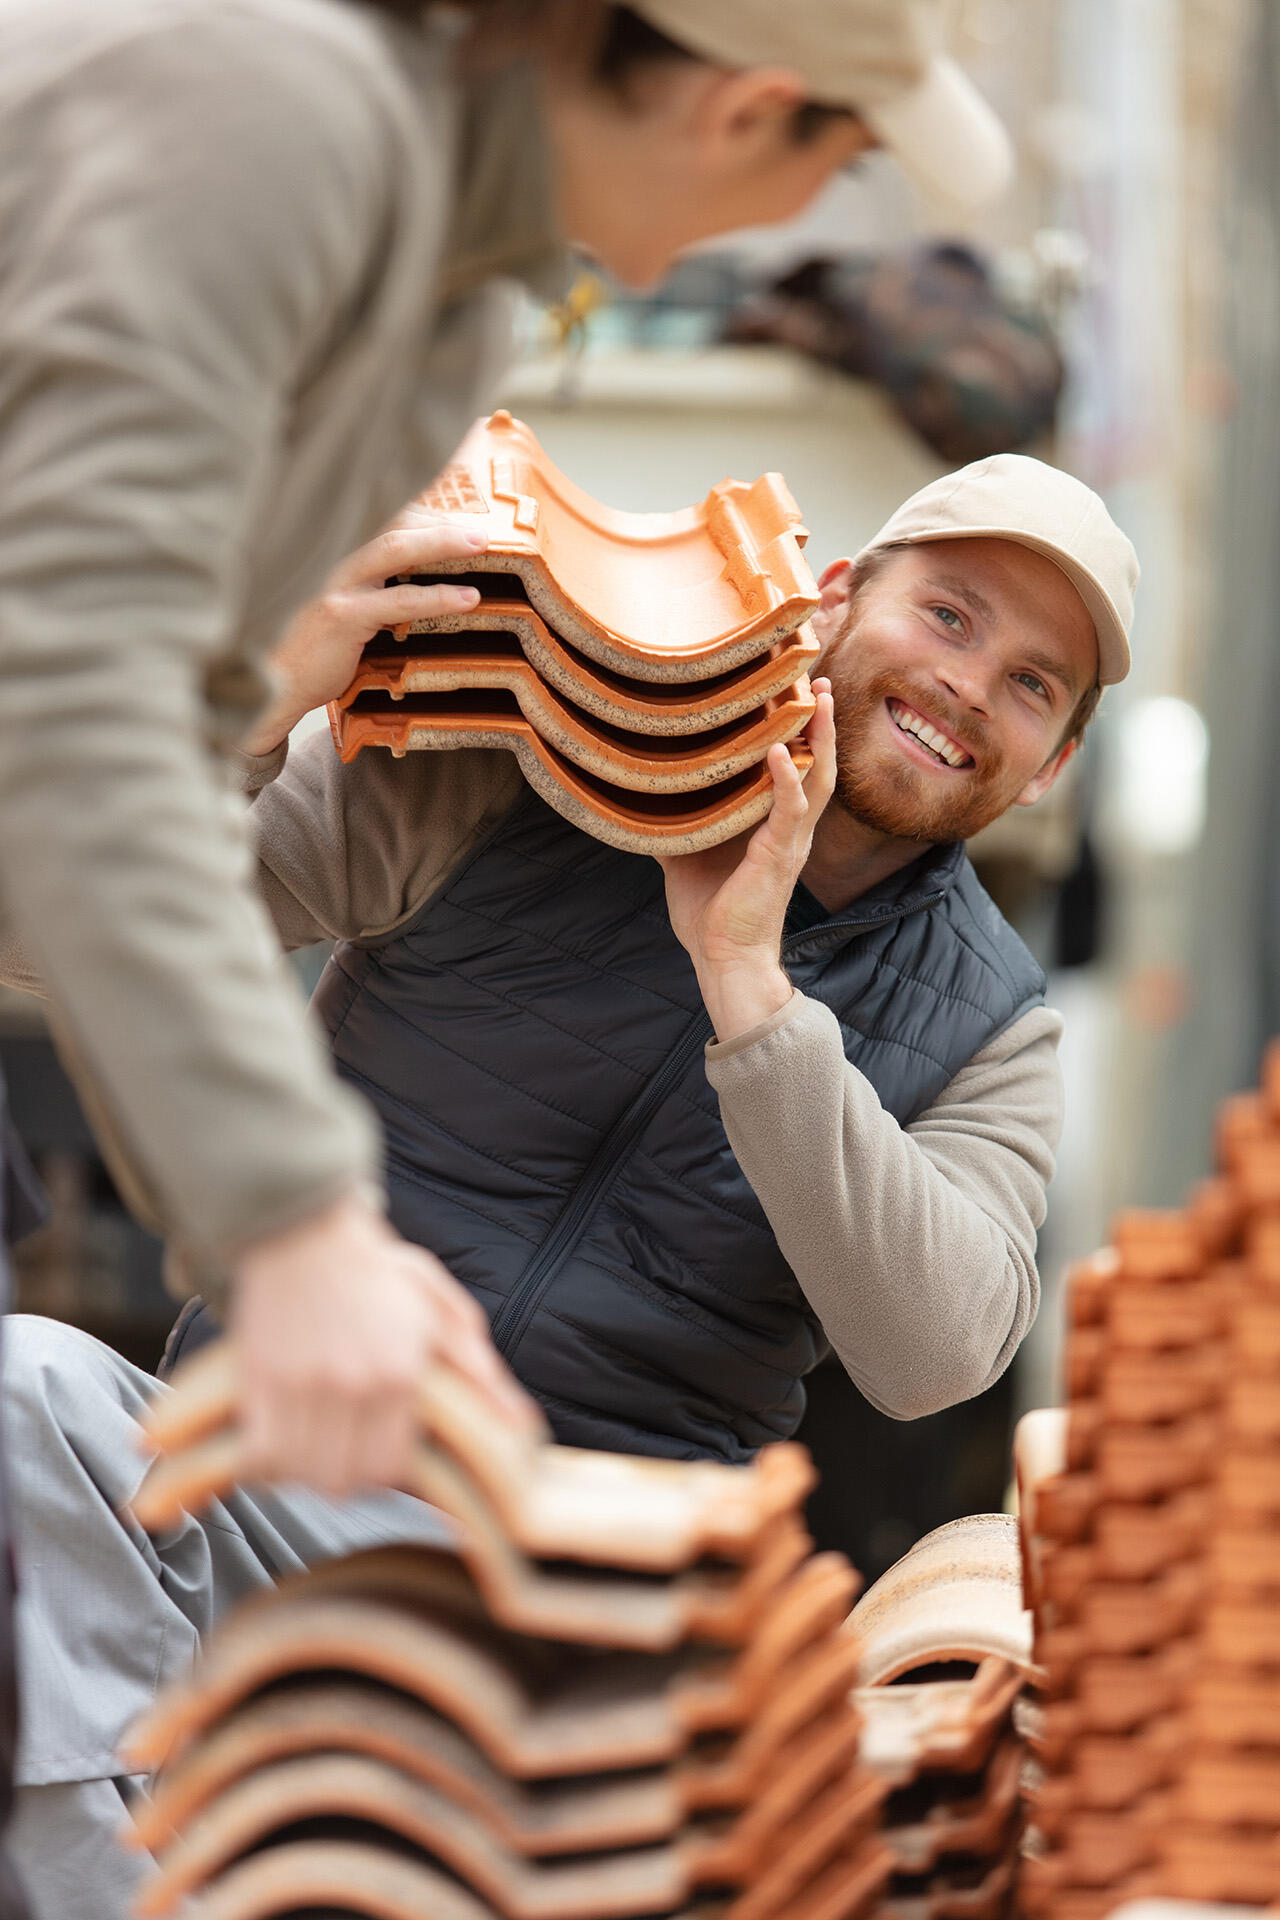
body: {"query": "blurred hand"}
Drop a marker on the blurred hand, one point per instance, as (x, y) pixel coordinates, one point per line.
(336, 1322)
(317, 657)
(728, 905)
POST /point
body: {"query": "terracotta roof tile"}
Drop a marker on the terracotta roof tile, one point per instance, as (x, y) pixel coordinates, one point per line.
(630, 1683)
(639, 666)
(981, 1893)
(670, 596)
(635, 822)
(413, 705)
(932, 1726)
(508, 626)
(1154, 1558)
(956, 1595)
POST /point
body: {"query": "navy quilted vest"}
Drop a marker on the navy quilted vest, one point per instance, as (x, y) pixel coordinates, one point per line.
(532, 1042)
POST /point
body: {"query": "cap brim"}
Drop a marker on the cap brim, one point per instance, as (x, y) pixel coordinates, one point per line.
(943, 133)
(1114, 658)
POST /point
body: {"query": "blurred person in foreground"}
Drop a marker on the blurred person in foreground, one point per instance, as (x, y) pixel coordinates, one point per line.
(677, 1126)
(252, 266)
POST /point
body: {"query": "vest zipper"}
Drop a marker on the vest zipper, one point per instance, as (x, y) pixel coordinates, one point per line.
(513, 1317)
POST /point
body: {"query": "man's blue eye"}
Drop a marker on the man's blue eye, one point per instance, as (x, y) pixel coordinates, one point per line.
(1031, 680)
(949, 615)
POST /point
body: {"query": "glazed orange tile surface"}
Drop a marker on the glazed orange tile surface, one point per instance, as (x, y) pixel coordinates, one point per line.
(626, 660)
(664, 596)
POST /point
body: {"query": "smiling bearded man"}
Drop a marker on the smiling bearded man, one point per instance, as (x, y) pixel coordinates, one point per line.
(990, 646)
(967, 647)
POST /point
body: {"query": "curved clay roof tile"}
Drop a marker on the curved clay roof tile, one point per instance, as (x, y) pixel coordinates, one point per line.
(573, 1502)
(622, 700)
(604, 1885)
(663, 596)
(634, 822)
(403, 700)
(377, 1884)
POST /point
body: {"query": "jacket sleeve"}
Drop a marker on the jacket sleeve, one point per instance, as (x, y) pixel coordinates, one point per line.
(349, 852)
(186, 218)
(915, 1246)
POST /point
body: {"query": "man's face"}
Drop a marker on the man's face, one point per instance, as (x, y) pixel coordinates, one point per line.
(955, 671)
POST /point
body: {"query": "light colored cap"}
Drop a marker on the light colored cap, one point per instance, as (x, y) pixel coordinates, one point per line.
(1013, 497)
(882, 58)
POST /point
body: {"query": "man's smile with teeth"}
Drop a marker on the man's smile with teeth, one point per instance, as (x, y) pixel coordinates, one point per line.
(907, 720)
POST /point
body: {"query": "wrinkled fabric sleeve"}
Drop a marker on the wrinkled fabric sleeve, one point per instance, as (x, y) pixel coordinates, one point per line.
(188, 227)
(915, 1246)
(350, 852)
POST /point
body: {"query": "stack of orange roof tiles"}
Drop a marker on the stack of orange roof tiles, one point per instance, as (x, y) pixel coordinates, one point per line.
(639, 666)
(1153, 1555)
(949, 1751)
(946, 1649)
(627, 1692)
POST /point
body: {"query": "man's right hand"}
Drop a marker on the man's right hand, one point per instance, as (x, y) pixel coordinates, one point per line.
(336, 1322)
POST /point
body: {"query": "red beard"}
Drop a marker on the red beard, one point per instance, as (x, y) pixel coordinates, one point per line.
(888, 794)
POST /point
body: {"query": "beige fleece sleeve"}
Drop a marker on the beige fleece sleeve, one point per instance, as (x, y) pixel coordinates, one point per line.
(348, 852)
(915, 1246)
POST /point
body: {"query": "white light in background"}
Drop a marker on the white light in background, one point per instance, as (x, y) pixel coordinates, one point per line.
(1163, 753)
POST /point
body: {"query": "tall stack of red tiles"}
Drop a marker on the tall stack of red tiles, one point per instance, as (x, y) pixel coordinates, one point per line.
(1152, 1561)
(626, 1692)
(639, 666)
(1223, 1842)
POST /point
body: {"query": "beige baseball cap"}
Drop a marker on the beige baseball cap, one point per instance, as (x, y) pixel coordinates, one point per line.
(882, 58)
(1013, 497)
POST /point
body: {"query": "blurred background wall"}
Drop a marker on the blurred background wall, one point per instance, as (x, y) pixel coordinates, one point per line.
(862, 352)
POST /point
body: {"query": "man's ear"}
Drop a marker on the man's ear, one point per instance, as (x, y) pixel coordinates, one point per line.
(747, 112)
(837, 585)
(1037, 787)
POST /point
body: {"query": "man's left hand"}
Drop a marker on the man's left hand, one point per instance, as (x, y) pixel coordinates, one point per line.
(728, 905)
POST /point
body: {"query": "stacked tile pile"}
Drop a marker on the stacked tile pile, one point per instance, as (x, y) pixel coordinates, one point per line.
(952, 1759)
(626, 1693)
(1153, 1561)
(639, 666)
(945, 1654)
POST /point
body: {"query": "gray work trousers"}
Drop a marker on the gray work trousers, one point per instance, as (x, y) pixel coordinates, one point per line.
(108, 1615)
(13, 1904)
